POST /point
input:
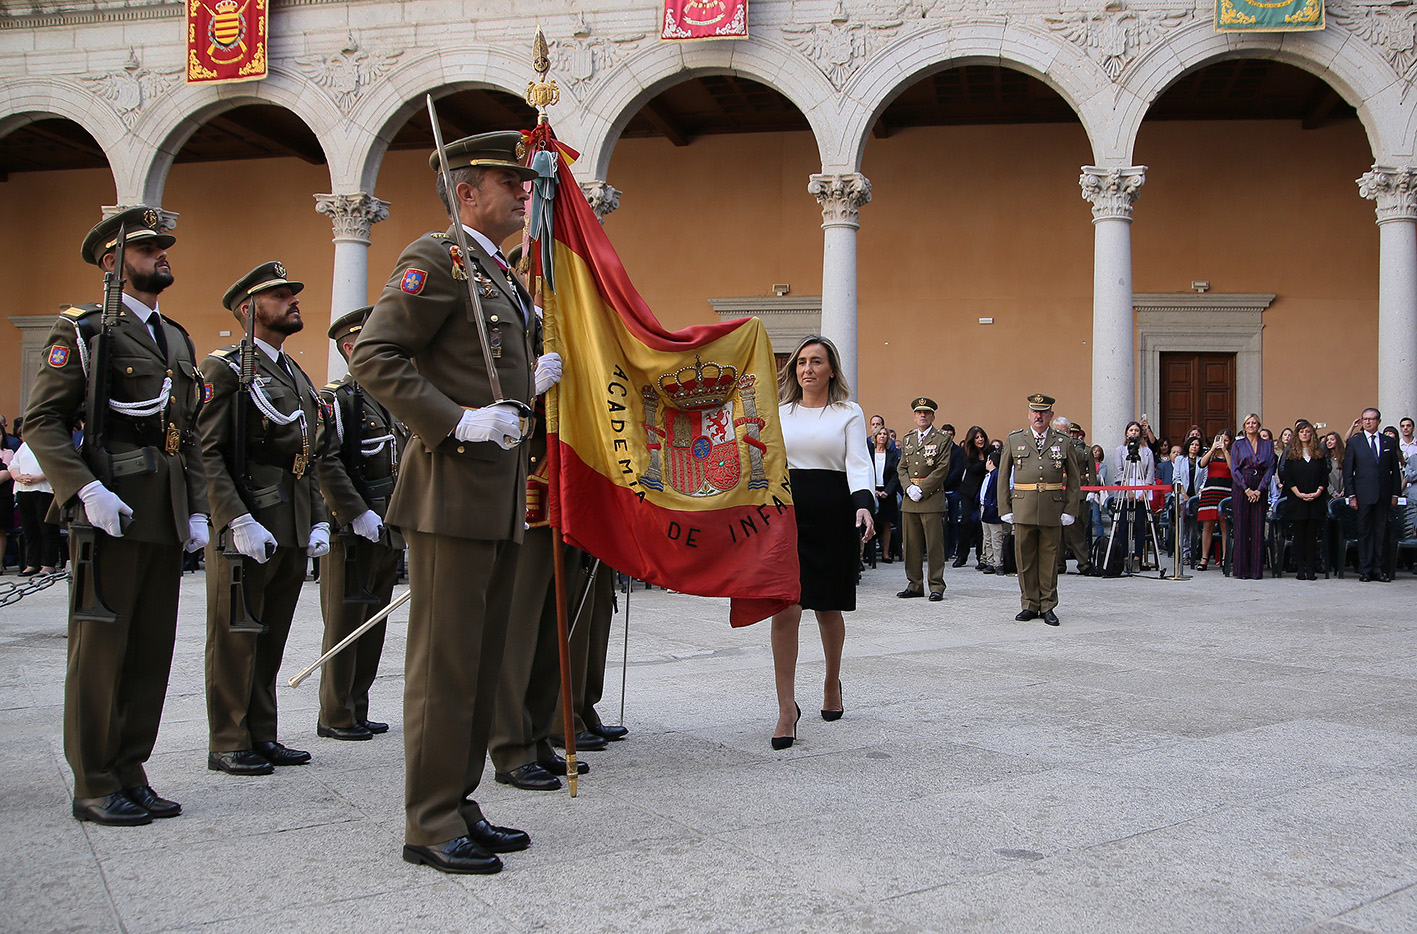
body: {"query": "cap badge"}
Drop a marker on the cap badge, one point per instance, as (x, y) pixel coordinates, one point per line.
(280, 269)
(150, 218)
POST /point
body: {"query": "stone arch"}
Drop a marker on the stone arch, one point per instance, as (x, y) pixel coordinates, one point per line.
(380, 113)
(1354, 70)
(610, 103)
(908, 59)
(26, 101)
(173, 118)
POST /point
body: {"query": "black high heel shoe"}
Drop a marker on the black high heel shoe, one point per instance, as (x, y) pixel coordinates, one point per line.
(831, 716)
(785, 742)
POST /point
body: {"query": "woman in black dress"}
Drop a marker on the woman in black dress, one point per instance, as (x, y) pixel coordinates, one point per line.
(976, 449)
(884, 461)
(1304, 481)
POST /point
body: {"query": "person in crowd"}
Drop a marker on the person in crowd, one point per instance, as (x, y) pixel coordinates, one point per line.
(1185, 469)
(1252, 465)
(1281, 451)
(1333, 449)
(1166, 463)
(878, 422)
(884, 461)
(1148, 438)
(1304, 477)
(1133, 464)
(1372, 477)
(1215, 487)
(975, 448)
(833, 489)
(924, 467)
(1075, 539)
(34, 495)
(1098, 498)
(9, 444)
(991, 527)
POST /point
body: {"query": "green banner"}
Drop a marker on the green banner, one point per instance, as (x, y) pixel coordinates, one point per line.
(1268, 15)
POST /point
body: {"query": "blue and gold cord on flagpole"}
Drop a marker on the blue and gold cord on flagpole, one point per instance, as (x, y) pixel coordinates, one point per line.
(542, 94)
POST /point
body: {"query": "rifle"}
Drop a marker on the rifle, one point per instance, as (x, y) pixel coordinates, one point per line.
(241, 619)
(356, 584)
(85, 596)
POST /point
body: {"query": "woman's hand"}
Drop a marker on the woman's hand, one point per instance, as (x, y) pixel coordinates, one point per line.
(866, 524)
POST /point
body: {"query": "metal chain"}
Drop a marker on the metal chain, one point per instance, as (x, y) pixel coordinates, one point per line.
(12, 593)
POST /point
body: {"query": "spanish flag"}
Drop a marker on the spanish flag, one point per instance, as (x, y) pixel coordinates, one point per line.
(666, 456)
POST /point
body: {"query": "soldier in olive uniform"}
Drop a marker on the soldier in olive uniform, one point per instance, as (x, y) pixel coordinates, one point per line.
(117, 675)
(359, 456)
(1075, 540)
(460, 500)
(924, 467)
(272, 514)
(1042, 499)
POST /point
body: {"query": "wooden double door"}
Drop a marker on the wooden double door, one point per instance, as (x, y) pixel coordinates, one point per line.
(1196, 389)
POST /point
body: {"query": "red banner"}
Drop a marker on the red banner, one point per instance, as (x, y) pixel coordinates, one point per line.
(226, 40)
(705, 19)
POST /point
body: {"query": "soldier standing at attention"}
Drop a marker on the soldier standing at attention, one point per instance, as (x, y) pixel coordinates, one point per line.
(117, 675)
(1075, 538)
(1042, 499)
(924, 467)
(359, 457)
(461, 494)
(274, 503)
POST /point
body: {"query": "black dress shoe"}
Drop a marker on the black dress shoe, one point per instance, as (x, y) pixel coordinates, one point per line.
(907, 592)
(374, 726)
(239, 762)
(1385, 578)
(529, 777)
(115, 810)
(147, 799)
(276, 754)
(459, 855)
(1026, 615)
(356, 732)
(496, 839)
(958, 563)
(987, 569)
(586, 741)
(1050, 617)
(936, 597)
(1364, 578)
(611, 733)
(556, 765)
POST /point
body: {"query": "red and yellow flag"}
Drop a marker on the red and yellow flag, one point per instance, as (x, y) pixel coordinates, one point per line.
(666, 455)
(226, 40)
(704, 19)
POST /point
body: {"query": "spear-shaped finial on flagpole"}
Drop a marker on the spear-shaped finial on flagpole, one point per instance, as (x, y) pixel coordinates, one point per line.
(543, 93)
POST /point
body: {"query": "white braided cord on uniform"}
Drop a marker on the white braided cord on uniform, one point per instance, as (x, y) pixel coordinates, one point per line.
(143, 409)
(263, 401)
(339, 421)
(371, 446)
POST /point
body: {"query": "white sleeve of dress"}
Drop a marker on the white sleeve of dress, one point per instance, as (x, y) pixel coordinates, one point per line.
(860, 474)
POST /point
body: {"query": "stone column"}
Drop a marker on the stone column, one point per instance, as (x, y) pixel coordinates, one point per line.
(1112, 193)
(841, 197)
(602, 196)
(352, 216)
(1395, 191)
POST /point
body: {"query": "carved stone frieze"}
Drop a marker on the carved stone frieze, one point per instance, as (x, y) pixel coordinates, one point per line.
(131, 90)
(347, 74)
(352, 215)
(1112, 192)
(839, 47)
(1388, 25)
(841, 197)
(602, 197)
(1115, 35)
(1394, 189)
(579, 59)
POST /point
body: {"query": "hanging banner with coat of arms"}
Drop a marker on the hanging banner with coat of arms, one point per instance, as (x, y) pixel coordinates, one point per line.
(1268, 15)
(226, 40)
(704, 19)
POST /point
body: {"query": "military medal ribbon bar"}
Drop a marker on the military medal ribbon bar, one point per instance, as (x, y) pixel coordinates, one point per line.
(227, 40)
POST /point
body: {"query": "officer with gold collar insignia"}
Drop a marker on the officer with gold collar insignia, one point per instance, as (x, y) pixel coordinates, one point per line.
(1043, 465)
(118, 669)
(274, 503)
(924, 467)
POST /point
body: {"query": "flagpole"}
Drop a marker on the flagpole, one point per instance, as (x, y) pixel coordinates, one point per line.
(540, 94)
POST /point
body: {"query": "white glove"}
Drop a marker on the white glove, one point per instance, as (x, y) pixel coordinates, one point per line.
(1007, 517)
(251, 538)
(548, 372)
(497, 423)
(319, 540)
(1067, 519)
(914, 492)
(368, 525)
(104, 509)
(197, 533)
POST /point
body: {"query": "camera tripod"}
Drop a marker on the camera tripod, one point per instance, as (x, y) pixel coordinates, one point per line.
(1134, 507)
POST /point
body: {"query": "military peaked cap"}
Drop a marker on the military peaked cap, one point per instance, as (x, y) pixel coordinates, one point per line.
(349, 323)
(923, 404)
(1038, 402)
(500, 150)
(263, 277)
(141, 221)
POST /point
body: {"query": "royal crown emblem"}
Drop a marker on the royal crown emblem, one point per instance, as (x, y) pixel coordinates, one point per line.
(701, 386)
(696, 445)
(227, 29)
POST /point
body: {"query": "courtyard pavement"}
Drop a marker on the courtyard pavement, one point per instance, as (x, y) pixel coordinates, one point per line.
(1204, 756)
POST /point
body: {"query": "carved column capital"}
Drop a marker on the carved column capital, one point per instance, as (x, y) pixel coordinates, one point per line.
(1394, 188)
(1112, 192)
(166, 220)
(841, 197)
(352, 215)
(602, 196)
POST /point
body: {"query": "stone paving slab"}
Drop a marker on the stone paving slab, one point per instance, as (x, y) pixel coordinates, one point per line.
(1212, 755)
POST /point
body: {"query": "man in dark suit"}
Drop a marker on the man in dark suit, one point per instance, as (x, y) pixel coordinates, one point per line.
(1372, 476)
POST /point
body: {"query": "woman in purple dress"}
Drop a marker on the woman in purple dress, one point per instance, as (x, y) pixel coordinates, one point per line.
(1253, 461)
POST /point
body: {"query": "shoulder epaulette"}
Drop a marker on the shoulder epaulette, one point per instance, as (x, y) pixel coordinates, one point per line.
(79, 311)
(331, 387)
(225, 352)
(438, 235)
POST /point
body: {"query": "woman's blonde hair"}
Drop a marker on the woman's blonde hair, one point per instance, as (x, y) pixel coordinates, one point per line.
(789, 391)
